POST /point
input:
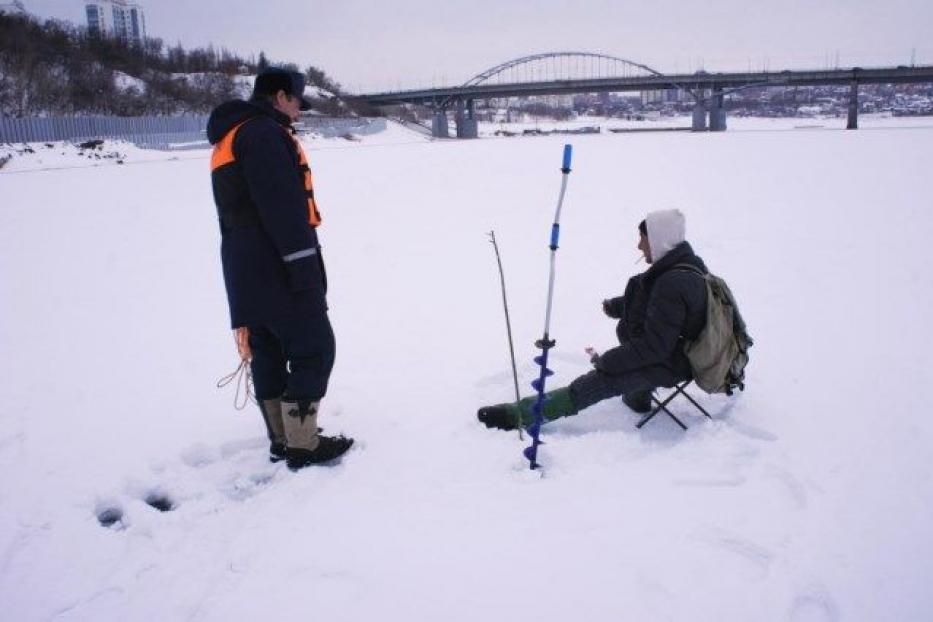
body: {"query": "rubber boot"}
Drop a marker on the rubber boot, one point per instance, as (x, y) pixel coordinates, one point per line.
(272, 415)
(305, 446)
(558, 403)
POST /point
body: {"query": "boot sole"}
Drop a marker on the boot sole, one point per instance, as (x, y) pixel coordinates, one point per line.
(298, 464)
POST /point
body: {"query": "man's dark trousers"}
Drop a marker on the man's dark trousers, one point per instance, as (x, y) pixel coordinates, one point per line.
(596, 386)
(293, 357)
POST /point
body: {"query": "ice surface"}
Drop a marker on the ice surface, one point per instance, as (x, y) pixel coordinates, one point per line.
(807, 498)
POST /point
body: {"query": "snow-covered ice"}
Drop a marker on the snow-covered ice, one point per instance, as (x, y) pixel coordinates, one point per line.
(808, 497)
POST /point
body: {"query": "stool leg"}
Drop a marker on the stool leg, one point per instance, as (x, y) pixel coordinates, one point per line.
(661, 406)
(680, 389)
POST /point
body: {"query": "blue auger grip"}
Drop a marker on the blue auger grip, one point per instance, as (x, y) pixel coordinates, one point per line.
(555, 235)
(568, 151)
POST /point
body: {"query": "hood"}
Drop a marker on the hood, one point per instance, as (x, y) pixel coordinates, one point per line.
(666, 229)
(230, 114)
(680, 254)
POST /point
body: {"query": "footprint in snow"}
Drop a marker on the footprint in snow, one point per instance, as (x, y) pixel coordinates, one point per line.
(756, 556)
(199, 455)
(724, 481)
(813, 605)
(246, 485)
(234, 448)
(796, 490)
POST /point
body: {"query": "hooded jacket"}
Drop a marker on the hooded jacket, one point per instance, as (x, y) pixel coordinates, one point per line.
(661, 308)
(269, 250)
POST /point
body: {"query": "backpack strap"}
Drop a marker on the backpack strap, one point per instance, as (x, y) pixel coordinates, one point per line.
(686, 267)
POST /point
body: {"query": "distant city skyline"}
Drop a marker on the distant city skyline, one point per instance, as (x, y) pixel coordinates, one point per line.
(368, 45)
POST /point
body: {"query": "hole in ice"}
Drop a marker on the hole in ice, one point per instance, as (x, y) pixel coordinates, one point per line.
(160, 502)
(110, 517)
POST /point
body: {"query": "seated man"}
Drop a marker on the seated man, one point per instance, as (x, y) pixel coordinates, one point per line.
(661, 309)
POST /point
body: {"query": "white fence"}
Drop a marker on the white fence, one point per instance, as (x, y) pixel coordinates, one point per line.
(148, 132)
(332, 127)
(181, 132)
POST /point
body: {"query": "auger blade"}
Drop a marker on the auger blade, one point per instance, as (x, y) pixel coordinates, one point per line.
(538, 383)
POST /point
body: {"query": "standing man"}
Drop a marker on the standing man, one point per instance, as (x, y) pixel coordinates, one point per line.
(273, 270)
(662, 309)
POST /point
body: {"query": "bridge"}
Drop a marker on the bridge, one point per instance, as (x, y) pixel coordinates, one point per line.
(563, 73)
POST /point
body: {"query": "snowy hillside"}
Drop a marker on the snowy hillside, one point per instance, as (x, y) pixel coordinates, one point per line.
(245, 87)
(808, 498)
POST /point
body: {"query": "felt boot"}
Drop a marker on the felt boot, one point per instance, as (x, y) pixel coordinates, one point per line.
(639, 401)
(305, 446)
(275, 429)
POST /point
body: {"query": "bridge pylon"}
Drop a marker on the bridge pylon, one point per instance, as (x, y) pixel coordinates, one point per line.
(699, 117)
(465, 123)
(466, 119)
(439, 126)
(852, 123)
(717, 112)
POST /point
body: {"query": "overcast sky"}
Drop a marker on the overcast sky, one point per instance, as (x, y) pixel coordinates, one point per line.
(369, 45)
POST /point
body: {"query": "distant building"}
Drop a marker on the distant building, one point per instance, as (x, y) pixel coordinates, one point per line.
(663, 96)
(13, 8)
(116, 18)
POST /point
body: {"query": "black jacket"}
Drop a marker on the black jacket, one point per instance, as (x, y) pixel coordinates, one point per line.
(271, 258)
(661, 308)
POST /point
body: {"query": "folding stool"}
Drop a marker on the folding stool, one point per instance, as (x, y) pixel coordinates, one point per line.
(678, 389)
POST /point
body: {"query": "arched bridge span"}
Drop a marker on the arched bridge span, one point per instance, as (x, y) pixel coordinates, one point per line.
(605, 64)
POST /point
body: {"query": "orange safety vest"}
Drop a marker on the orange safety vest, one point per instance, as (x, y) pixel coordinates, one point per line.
(223, 155)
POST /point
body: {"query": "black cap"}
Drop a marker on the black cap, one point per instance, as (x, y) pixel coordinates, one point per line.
(273, 79)
(643, 227)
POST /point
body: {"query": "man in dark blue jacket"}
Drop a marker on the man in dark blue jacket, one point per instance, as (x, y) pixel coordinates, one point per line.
(272, 264)
(661, 309)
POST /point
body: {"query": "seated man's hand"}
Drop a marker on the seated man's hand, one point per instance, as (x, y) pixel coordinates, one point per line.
(614, 307)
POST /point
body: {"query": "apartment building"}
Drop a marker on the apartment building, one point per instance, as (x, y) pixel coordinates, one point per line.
(116, 18)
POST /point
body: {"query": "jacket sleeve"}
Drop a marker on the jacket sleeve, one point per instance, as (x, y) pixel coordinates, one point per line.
(664, 321)
(615, 307)
(270, 167)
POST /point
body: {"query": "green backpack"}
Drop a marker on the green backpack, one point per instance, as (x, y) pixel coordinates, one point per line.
(719, 354)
